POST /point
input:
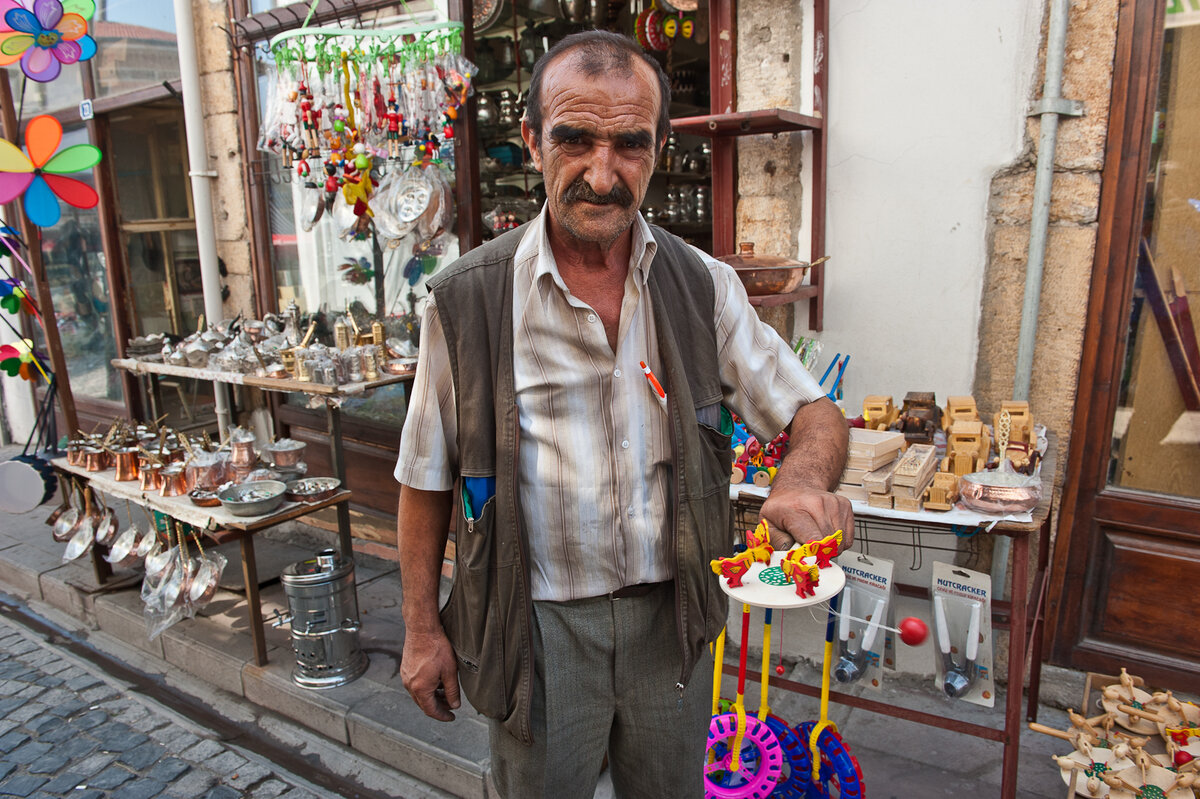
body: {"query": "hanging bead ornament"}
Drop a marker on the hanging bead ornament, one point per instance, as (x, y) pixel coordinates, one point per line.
(351, 103)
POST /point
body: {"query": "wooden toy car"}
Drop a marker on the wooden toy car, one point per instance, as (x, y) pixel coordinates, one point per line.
(942, 493)
(959, 409)
(919, 418)
(967, 448)
(879, 412)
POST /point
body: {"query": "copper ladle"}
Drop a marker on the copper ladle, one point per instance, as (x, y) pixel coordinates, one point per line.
(65, 523)
(66, 501)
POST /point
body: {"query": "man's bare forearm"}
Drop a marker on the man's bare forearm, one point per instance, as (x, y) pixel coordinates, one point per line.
(423, 523)
(817, 443)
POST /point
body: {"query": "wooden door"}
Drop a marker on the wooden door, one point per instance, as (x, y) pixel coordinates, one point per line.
(1127, 559)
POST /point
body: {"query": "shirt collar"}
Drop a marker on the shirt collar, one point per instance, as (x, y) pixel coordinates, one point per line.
(535, 248)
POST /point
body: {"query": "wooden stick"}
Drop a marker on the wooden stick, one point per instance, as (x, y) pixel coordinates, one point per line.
(1053, 733)
(1142, 714)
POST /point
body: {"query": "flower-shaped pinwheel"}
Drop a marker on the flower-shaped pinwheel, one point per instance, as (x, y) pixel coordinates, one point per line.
(13, 297)
(18, 360)
(52, 34)
(39, 176)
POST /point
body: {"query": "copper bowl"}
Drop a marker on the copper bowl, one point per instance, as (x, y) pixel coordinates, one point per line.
(765, 274)
(999, 492)
(400, 366)
(286, 454)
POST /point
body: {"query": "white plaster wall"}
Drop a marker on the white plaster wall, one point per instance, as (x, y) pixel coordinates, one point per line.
(927, 99)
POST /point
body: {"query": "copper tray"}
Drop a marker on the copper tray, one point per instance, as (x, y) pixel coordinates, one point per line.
(999, 492)
(312, 489)
(204, 498)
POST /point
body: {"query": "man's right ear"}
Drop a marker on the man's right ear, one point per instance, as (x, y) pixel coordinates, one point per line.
(530, 137)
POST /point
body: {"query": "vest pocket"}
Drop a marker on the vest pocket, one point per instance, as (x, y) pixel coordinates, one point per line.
(715, 427)
(471, 616)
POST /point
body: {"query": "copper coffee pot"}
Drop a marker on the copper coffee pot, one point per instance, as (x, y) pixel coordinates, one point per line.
(127, 464)
(151, 476)
(241, 454)
(96, 459)
(174, 481)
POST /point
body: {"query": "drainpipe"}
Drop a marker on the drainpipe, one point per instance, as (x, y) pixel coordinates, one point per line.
(1049, 108)
(201, 174)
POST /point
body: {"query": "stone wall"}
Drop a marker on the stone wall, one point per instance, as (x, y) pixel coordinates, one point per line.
(1074, 207)
(218, 90)
(770, 202)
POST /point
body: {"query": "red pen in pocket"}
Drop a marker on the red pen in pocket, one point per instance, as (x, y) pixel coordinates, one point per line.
(655, 386)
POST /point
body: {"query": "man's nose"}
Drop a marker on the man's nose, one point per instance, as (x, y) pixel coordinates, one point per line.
(601, 172)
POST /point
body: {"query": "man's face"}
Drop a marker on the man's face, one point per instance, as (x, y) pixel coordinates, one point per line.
(596, 150)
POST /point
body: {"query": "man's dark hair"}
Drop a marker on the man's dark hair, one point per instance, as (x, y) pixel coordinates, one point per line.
(599, 51)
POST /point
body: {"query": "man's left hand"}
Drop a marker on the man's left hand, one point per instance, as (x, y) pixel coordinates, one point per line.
(799, 514)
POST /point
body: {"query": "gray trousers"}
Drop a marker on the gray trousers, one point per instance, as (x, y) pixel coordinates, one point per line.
(604, 682)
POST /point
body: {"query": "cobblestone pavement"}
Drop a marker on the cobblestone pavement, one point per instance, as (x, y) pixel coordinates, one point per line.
(67, 729)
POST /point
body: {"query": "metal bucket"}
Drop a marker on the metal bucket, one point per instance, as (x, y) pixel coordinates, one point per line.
(323, 613)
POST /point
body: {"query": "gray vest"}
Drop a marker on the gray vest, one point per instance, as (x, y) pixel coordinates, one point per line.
(488, 616)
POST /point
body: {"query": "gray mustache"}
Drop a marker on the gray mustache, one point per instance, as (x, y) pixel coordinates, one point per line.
(581, 191)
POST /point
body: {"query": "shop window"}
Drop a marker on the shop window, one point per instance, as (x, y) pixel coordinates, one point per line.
(325, 270)
(1154, 427)
(33, 97)
(136, 45)
(78, 277)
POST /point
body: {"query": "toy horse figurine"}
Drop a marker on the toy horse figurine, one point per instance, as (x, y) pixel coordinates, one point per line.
(825, 550)
(806, 576)
(734, 568)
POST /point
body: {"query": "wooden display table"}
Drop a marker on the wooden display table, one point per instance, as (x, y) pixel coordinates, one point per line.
(331, 395)
(217, 523)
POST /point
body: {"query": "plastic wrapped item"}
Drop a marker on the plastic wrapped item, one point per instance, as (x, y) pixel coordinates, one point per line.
(204, 581)
(1003, 490)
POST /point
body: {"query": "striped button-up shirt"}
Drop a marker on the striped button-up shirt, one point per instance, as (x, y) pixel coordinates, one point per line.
(595, 449)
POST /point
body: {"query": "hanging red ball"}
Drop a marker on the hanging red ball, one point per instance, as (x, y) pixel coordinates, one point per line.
(913, 631)
(779, 669)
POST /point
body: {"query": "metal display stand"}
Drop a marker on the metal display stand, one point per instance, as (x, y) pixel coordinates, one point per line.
(1022, 616)
(332, 395)
(217, 523)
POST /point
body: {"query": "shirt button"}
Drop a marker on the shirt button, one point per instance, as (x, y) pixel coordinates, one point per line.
(624, 445)
(591, 317)
(616, 372)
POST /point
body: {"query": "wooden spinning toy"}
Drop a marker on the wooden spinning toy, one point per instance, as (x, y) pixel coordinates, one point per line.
(755, 755)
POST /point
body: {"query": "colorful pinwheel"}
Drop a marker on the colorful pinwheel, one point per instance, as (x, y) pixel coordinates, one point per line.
(18, 360)
(39, 176)
(14, 298)
(54, 33)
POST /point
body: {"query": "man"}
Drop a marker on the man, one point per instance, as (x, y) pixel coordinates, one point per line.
(590, 502)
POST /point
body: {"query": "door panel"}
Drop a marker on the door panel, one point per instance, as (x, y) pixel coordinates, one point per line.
(1127, 554)
(1144, 583)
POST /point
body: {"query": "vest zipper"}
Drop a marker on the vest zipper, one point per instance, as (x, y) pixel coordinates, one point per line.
(673, 419)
